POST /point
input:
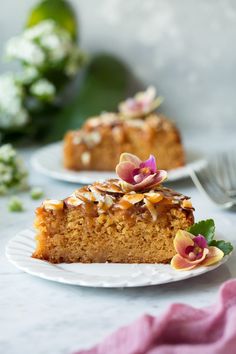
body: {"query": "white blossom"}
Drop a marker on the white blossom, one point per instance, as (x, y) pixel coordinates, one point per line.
(12, 111)
(23, 49)
(43, 88)
(13, 175)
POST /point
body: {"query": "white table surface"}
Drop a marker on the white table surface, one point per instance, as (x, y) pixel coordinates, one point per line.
(40, 317)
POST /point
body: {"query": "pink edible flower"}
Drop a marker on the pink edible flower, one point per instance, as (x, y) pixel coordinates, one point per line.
(193, 251)
(137, 174)
(141, 104)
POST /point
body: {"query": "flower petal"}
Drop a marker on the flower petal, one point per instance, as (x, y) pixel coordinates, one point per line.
(150, 163)
(180, 263)
(126, 157)
(124, 171)
(214, 256)
(150, 181)
(200, 241)
(182, 240)
(145, 183)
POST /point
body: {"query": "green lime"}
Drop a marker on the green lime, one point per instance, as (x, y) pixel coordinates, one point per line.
(58, 10)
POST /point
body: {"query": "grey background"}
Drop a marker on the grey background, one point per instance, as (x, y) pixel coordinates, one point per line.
(186, 48)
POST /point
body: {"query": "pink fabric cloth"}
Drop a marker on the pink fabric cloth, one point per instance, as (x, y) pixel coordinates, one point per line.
(181, 330)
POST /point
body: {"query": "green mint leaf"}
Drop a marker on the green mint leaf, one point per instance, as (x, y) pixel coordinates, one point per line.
(205, 228)
(226, 247)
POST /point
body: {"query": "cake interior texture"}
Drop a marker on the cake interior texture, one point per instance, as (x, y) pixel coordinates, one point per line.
(101, 224)
(109, 136)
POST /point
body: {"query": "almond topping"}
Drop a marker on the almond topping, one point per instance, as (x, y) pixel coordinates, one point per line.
(151, 208)
(86, 196)
(133, 198)
(124, 204)
(53, 204)
(154, 197)
(109, 186)
(74, 201)
(187, 204)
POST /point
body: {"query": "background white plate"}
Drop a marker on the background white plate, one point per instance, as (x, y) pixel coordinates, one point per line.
(20, 248)
(48, 160)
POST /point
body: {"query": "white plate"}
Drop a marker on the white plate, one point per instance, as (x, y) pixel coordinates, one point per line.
(108, 275)
(48, 160)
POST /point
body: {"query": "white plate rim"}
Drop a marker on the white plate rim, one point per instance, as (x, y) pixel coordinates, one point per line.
(20, 248)
(87, 177)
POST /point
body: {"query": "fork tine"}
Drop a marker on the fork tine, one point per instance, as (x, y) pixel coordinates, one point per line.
(206, 184)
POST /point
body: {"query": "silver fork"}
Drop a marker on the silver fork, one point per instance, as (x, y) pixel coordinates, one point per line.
(207, 181)
(224, 165)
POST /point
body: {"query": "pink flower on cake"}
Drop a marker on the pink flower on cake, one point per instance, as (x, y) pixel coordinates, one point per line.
(137, 174)
(141, 104)
(193, 251)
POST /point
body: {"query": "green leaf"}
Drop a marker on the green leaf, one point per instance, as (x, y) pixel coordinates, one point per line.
(104, 85)
(226, 247)
(58, 10)
(205, 228)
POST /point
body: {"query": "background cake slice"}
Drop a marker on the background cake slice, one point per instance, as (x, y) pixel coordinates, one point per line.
(136, 129)
(102, 223)
(109, 136)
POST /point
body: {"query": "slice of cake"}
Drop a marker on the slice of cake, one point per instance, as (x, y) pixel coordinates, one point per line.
(136, 129)
(133, 219)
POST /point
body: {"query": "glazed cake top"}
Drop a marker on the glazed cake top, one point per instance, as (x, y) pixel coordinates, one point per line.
(110, 194)
(96, 127)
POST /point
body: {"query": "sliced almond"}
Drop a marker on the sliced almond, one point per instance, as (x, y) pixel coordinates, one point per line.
(53, 204)
(154, 197)
(106, 204)
(97, 194)
(151, 208)
(85, 196)
(73, 201)
(111, 186)
(133, 198)
(124, 204)
(186, 203)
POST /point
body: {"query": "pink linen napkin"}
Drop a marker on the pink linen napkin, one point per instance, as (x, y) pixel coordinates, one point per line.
(181, 330)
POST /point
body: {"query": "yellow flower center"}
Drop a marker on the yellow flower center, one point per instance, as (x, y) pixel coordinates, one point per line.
(145, 170)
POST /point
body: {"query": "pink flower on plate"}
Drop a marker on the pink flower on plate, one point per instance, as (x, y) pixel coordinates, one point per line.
(137, 174)
(141, 104)
(193, 251)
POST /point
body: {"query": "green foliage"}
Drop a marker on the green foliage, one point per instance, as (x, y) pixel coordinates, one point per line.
(104, 85)
(205, 228)
(226, 247)
(15, 204)
(58, 10)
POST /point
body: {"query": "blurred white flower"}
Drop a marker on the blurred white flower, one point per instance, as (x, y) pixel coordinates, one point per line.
(12, 111)
(13, 175)
(25, 50)
(46, 45)
(43, 89)
(28, 75)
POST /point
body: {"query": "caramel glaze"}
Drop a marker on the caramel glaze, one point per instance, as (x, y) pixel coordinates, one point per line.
(92, 198)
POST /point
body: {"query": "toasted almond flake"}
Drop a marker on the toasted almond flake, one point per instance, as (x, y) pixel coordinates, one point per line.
(133, 198)
(118, 134)
(77, 139)
(111, 186)
(92, 139)
(86, 158)
(97, 194)
(151, 208)
(105, 205)
(53, 204)
(85, 196)
(154, 197)
(74, 201)
(186, 203)
(124, 204)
